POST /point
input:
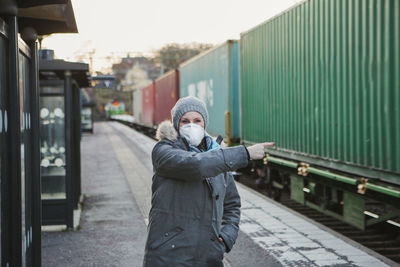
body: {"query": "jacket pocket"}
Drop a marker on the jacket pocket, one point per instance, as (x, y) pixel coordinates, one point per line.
(171, 234)
(222, 246)
(216, 250)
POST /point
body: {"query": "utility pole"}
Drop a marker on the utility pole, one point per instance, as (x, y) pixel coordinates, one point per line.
(91, 54)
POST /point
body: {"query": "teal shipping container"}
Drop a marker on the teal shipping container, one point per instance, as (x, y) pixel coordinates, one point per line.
(213, 76)
(322, 80)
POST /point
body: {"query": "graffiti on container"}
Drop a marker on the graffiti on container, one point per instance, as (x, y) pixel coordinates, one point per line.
(203, 90)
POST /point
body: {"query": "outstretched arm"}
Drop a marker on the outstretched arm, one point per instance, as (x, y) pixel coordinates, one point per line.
(175, 163)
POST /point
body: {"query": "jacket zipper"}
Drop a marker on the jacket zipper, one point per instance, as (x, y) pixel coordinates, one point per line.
(213, 204)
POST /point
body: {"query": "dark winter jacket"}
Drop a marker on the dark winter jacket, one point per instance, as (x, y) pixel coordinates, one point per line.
(194, 201)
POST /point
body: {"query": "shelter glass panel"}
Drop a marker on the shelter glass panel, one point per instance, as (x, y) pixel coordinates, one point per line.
(52, 128)
(3, 125)
(26, 171)
(87, 123)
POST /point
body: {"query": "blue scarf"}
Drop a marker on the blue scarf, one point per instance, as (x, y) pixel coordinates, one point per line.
(211, 145)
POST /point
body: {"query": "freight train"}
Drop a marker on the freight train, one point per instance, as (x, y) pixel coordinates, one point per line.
(322, 80)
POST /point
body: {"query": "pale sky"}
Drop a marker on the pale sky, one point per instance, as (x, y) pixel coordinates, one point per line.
(121, 26)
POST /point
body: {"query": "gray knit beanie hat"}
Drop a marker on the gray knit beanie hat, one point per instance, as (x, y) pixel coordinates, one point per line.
(186, 104)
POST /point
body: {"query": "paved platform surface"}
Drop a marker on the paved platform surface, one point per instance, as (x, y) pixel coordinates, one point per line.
(112, 231)
(116, 180)
(294, 240)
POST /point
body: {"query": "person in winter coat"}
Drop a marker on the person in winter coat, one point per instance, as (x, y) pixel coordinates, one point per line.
(195, 206)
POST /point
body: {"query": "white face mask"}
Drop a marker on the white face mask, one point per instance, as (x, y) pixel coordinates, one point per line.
(193, 133)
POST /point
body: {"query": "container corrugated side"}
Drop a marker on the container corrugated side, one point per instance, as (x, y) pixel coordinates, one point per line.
(137, 105)
(167, 93)
(210, 77)
(322, 80)
(148, 105)
(234, 89)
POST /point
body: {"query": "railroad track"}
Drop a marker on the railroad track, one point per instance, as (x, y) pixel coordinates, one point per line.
(383, 238)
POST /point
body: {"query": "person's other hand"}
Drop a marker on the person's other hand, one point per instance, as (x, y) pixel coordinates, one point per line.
(257, 151)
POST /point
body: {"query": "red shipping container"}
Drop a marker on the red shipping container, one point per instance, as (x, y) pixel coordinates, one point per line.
(167, 93)
(148, 103)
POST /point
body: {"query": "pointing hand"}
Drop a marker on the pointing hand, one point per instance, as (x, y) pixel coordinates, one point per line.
(257, 151)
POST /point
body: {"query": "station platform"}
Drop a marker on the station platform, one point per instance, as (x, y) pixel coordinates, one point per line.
(116, 183)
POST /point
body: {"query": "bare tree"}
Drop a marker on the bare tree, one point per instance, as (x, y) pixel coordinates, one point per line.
(171, 55)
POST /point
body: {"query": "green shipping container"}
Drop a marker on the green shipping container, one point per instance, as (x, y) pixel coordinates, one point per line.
(213, 76)
(322, 80)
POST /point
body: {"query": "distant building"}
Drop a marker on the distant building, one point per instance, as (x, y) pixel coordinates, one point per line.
(124, 72)
(119, 70)
(135, 79)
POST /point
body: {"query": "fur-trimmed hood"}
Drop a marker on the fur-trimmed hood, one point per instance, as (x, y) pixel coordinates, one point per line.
(166, 130)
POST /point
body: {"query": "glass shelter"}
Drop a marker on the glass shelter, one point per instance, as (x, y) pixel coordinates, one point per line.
(21, 22)
(87, 117)
(60, 118)
(20, 198)
(86, 112)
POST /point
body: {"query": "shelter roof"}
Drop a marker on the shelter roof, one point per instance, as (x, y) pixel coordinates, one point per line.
(55, 69)
(47, 16)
